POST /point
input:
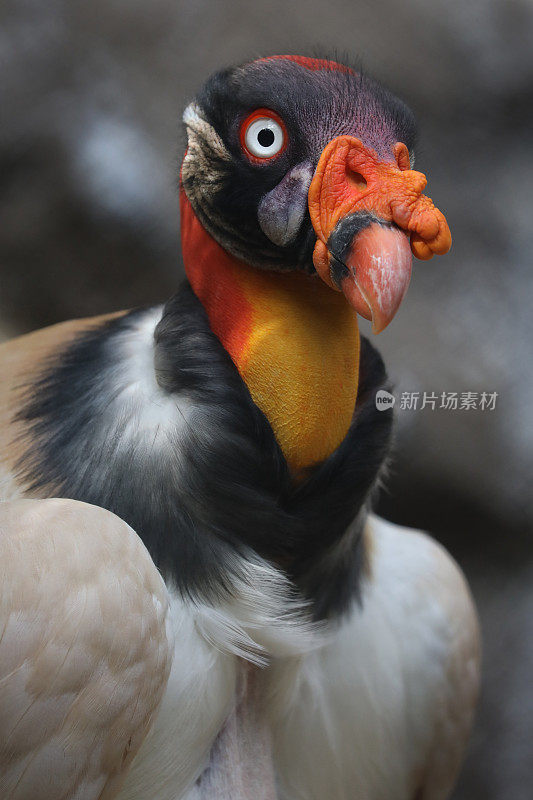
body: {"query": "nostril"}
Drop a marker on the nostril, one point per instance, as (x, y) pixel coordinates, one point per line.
(356, 179)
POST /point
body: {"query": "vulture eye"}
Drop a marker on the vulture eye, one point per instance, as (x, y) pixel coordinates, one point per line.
(263, 135)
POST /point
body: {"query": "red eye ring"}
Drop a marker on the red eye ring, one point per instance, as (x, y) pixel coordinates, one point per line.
(278, 127)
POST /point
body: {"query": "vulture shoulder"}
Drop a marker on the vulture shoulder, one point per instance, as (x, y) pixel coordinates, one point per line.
(85, 649)
(22, 363)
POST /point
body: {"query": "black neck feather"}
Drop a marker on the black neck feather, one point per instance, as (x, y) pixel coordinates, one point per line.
(222, 491)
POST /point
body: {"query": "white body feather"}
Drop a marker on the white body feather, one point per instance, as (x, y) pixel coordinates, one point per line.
(376, 708)
(85, 649)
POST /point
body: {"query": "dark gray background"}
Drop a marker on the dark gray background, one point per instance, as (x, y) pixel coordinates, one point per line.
(90, 140)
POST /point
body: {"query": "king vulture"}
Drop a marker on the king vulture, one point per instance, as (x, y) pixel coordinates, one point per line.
(208, 609)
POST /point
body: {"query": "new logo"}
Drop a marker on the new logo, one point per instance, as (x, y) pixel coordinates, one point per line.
(384, 400)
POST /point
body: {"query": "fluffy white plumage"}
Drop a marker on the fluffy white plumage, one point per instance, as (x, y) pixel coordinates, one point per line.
(383, 711)
(377, 707)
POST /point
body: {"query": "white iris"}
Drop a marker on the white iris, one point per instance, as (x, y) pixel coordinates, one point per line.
(264, 137)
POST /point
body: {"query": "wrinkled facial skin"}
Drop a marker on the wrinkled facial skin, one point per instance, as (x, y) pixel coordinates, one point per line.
(240, 201)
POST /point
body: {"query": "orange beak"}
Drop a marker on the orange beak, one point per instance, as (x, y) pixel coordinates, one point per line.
(364, 211)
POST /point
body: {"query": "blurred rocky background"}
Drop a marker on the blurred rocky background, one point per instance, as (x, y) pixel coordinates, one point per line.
(90, 141)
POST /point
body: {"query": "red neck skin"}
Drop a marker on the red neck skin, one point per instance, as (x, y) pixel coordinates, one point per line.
(212, 273)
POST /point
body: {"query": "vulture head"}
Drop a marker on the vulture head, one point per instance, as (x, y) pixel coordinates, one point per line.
(305, 165)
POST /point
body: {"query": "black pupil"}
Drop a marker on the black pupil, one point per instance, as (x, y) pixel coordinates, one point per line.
(266, 137)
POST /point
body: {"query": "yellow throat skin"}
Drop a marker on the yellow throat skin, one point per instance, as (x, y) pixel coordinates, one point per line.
(294, 341)
(301, 363)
